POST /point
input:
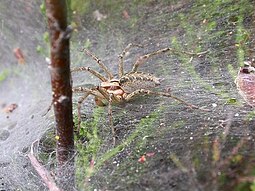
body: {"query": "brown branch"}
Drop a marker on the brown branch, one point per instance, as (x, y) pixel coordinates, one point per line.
(56, 12)
(44, 174)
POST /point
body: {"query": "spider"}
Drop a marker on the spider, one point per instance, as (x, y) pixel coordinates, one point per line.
(124, 88)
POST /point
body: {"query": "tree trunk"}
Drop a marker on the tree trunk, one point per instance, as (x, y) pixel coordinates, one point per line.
(56, 12)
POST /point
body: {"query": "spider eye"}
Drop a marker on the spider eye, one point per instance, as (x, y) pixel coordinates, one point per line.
(245, 70)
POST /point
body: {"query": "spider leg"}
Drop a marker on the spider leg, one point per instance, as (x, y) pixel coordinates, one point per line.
(80, 101)
(122, 55)
(110, 118)
(87, 92)
(106, 95)
(145, 57)
(92, 91)
(149, 92)
(99, 62)
(111, 98)
(95, 73)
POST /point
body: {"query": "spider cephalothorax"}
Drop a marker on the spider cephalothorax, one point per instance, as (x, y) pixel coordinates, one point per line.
(124, 88)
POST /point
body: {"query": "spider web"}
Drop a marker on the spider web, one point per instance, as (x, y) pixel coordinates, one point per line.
(26, 85)
(183, 148)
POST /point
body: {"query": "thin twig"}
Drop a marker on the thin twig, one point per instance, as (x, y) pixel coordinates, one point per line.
(44, 174)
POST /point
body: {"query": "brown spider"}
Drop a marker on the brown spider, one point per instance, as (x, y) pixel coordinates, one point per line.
(124, 88)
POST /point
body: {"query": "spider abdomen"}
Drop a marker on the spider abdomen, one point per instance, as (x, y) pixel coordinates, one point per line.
(138, 80)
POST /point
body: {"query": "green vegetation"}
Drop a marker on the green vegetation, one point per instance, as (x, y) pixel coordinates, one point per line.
(213, 35)
(211, 29)
(221, 32)
(89, 152)
(4, 74)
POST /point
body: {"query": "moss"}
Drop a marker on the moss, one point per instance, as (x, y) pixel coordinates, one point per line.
(88, 151)
(250, 116)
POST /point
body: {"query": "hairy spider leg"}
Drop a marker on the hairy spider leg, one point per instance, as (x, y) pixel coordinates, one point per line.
(99, 62)
(87, 92)
(80, 101)
(122, 55)
(106, 95)
(111, 99)
(149, 92)
(110, 118)
(95, 73)
(145, 57)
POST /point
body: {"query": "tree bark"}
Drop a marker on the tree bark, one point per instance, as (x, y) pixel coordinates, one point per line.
(56, 12)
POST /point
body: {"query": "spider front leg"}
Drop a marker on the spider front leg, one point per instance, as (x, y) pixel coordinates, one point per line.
(99, 62)
(145, 57)
(106, 95)
(95, 73)
(80, 101)
(149, 92)
(111, 98)
(110, 118)
(122, 55)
